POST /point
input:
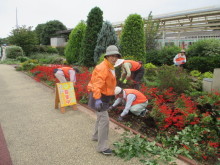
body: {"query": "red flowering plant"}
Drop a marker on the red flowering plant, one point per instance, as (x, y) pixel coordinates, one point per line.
(170, 113)
(45, 74)
(83, 79)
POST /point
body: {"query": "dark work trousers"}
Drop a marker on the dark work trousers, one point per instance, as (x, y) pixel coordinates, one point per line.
(137, 77)
(102, 123)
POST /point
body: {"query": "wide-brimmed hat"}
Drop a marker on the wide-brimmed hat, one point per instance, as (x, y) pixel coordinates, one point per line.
(112, 50)
(118, 90)
(182, 51)
(118, 62)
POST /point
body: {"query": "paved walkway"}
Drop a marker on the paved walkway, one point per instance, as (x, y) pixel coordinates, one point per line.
(38, 134)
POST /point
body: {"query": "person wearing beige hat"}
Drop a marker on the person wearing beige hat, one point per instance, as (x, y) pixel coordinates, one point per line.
(135, 102)
(101, 88)
(180, 58)
(131, 69)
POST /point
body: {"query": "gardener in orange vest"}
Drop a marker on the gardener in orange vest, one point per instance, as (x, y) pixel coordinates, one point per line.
(180, 58)
(65, 74)
(101, 87)
(130, 67)
(135, 102)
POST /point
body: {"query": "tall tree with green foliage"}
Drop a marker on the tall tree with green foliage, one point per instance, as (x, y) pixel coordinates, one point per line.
(50, 30)
(39, 30)
(23, 37)
(151, 32)
(106, 37)
(73, 47)
(94, 25)
(132, 41)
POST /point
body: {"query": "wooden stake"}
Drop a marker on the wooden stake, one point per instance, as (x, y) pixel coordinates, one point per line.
(75, 107)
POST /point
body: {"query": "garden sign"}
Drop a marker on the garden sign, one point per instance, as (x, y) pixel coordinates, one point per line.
(65, 95)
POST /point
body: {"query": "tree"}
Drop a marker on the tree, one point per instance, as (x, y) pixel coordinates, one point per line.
(23, 37)
(151, 33)
(132, 41)
(73, 46)
(39, 30)
(94, 25)
(50, 30)
(3, 41)
(106, 37)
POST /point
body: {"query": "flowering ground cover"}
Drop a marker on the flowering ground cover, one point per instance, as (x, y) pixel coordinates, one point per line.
(175, 120)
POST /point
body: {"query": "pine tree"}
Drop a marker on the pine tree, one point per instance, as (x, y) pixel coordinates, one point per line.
(132, 41)
(94, 25)
(106, 37)
(73, 47)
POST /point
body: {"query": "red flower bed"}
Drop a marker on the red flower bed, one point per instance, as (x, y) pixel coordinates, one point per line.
(169, 112)
(45, 73)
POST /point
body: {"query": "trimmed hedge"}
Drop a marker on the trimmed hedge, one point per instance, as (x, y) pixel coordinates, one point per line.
(14, 51)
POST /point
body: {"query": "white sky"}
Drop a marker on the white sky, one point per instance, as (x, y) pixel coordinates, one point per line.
(70, 12)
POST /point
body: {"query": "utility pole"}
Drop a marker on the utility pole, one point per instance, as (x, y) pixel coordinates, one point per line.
(16, 19)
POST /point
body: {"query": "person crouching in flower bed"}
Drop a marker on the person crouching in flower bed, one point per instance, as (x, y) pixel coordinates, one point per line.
(136, 102)
(64, 74)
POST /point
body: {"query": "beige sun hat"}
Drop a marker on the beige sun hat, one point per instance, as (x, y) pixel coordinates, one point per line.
(119, 62)
(112, 50)
(117, 90)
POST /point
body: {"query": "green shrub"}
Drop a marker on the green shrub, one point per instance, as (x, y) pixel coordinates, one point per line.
(152, 57)
(60, 50)
(204, 48)
(94, 24)
(10, 61)
(195, 73)
(172, 76)
(13, 52)
(44, 49)
(51, 50)
(101, 58)
(73, 46)
(45, 58)
(149, 66)
(203, 64)
(207, 75)
(106, 37)
(167, 53)
(132, 41)
(29, 64)
(22, 58)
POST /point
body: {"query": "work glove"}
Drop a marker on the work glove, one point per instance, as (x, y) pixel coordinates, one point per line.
(120, 118)
(110, 108)
(125, 81)
(98, 104)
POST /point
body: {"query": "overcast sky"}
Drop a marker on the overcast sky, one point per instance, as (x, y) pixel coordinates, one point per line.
(70, 12)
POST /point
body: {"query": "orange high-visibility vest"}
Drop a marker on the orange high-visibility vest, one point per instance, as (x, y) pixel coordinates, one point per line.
(102, 80)
(140, 97)
(134, 65)
(180, 58)
(66, 71)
